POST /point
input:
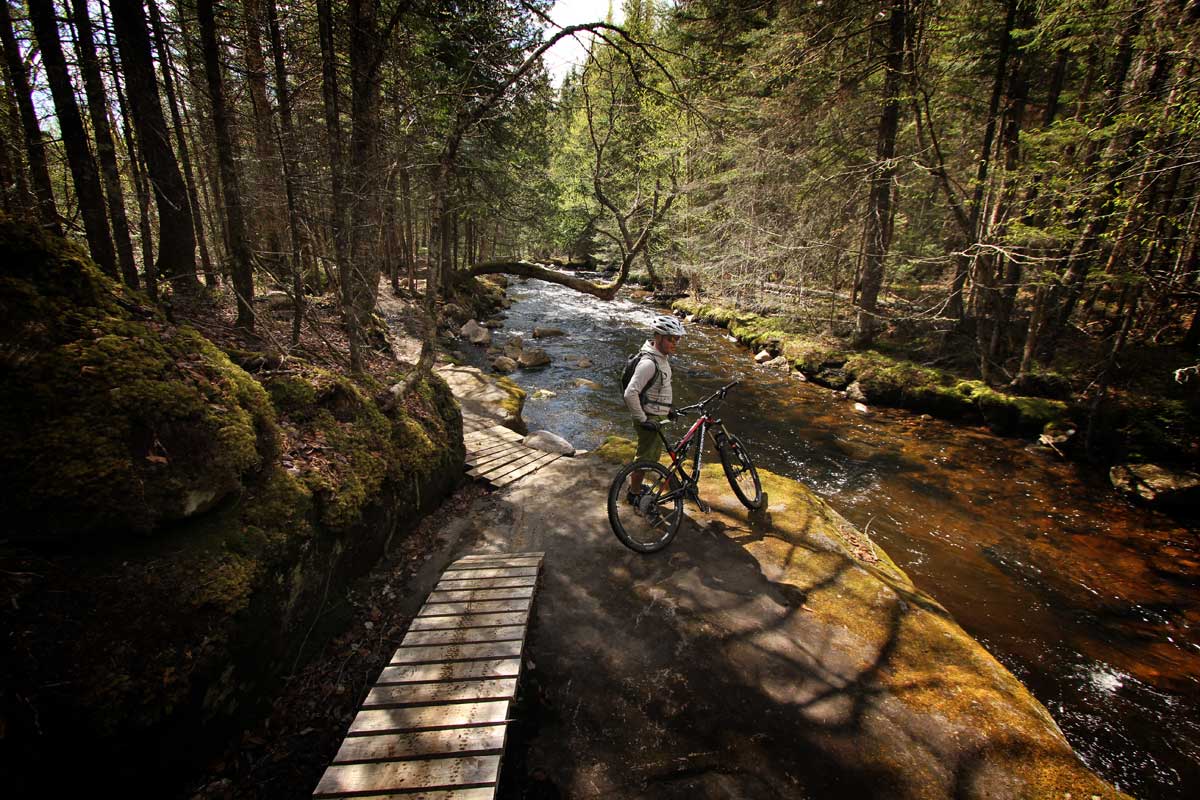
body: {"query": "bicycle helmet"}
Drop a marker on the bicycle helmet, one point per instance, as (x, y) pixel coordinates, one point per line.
(667, 325)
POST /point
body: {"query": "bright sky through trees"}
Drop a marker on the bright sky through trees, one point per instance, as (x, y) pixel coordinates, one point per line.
(572, 50)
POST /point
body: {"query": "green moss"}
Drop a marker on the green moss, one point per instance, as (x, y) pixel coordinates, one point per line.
(515, 401)
(115, 419)
(616, 450)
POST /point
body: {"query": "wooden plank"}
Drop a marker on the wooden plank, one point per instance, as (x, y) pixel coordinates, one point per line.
(474, 607)
(523, 471)
(484, 448)
(471, 595)
(454, 715)
(485, 583)
(507, 633)
(486, 556)
(454, 621)
(412, 694)
(489, 462)
(496, 562)
(505, 433)
(456, 652)
(439, 773)
(489, 472)
(511, 605)
(507, 451)
(452, 671)
(487, 792)
(490, 444)
(451, 741)
(475, 573)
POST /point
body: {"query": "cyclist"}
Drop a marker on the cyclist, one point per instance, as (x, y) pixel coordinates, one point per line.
(648, 394)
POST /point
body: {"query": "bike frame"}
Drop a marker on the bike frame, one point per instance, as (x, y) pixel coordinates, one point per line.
(695, 435)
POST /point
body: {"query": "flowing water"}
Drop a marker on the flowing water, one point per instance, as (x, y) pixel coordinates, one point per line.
(1091, 602)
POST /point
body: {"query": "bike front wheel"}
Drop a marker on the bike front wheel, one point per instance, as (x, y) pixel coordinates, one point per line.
(645, 520)
(740, 471)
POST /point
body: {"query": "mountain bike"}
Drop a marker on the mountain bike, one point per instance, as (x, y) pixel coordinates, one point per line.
(647, 519)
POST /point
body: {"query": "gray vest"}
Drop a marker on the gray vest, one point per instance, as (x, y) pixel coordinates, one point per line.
(658, 395)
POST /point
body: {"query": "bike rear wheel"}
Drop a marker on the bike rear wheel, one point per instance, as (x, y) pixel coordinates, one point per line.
(645, 522)
(740, 471)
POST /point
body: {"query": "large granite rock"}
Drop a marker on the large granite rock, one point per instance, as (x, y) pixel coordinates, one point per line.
(533, 357)
(475, 333)
(549, 442)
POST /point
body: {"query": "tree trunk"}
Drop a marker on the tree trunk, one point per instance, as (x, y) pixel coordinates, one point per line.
(136, 167)
(262, 195)
(879, 204)
(84, 175)
(176, 239)
(963, 262)
(340, 220)
(241, 268)
(287, 147)
(35, 151)
(165, 63)
(97, 99)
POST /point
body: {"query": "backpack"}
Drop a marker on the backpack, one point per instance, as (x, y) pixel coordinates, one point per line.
(631, 364)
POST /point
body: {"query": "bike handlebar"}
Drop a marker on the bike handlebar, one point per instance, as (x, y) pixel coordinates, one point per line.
(707, 404)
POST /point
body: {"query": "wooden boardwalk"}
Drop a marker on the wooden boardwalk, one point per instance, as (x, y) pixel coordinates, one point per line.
(434, 723)
(495, 453)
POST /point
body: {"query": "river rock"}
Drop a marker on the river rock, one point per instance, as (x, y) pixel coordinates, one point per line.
(455, 312)
(513, 347)
(533, 357)
(584, 383)
(780, 363)
(542, 394)
(855, 392)
(1156, 485)
(583, 363)
(690, 318)
(504, 365)
(861, 408)
(762, 357)
(548, 333)
(475, 333)
(549, 442)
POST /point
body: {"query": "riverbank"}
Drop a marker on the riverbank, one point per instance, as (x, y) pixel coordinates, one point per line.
(1136, 429)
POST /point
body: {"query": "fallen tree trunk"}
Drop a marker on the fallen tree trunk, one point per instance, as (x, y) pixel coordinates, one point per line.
(529, 269)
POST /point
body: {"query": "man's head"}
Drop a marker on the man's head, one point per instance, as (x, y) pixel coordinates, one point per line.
(667, 332)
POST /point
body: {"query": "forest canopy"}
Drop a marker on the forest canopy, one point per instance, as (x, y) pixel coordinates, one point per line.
(1007, 187)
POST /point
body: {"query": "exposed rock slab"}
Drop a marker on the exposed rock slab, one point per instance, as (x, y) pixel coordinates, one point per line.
(779, 654)
(485, 395)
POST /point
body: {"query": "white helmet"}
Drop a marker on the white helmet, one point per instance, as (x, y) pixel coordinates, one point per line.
(667, 325)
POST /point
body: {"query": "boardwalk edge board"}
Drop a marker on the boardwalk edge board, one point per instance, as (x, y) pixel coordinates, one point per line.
(435, 722)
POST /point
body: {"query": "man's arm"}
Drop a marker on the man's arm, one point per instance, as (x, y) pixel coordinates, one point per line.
(642, 375)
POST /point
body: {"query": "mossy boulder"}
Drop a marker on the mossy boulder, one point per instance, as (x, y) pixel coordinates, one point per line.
(884, 379)
(153, 648)
(114, 420)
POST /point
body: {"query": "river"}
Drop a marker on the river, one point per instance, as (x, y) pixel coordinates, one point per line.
(1090, 601)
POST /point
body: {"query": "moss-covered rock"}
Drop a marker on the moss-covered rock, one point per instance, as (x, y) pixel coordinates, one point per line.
(885, 379)
(151, 647)
(113, 419)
